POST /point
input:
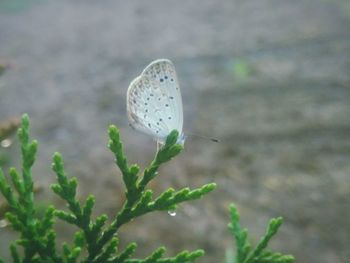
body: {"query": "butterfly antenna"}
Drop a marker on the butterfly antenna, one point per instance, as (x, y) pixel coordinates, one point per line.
(203, 137)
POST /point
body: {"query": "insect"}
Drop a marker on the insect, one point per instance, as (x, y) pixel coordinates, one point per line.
(154, 103)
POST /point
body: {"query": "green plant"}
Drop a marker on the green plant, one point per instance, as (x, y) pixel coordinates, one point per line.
(96, 240)
(241, 69)
(244, 251)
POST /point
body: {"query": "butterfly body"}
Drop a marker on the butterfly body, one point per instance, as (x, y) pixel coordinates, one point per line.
(154, 103)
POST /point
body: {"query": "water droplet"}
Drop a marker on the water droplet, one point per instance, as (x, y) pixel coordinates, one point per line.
(6, 143)
(172, 212)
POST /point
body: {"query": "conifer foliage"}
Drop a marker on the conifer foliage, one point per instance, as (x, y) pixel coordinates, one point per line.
(244, 251)
(96, 241)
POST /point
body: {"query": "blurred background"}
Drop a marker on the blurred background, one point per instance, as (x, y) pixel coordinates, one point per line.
(269, 78)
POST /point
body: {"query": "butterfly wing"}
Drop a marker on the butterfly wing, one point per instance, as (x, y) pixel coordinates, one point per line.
(154, 102)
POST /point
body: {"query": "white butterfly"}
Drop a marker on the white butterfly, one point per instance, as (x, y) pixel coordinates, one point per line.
(154, 103)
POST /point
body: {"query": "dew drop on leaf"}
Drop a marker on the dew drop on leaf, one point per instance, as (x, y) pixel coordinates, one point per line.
(172, 212)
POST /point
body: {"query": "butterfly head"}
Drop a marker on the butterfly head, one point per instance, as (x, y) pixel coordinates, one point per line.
(181, 139)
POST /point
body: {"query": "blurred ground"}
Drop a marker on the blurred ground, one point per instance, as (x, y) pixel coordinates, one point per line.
(270, 78)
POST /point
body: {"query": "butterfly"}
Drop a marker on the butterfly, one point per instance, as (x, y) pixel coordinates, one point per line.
(154, 103)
